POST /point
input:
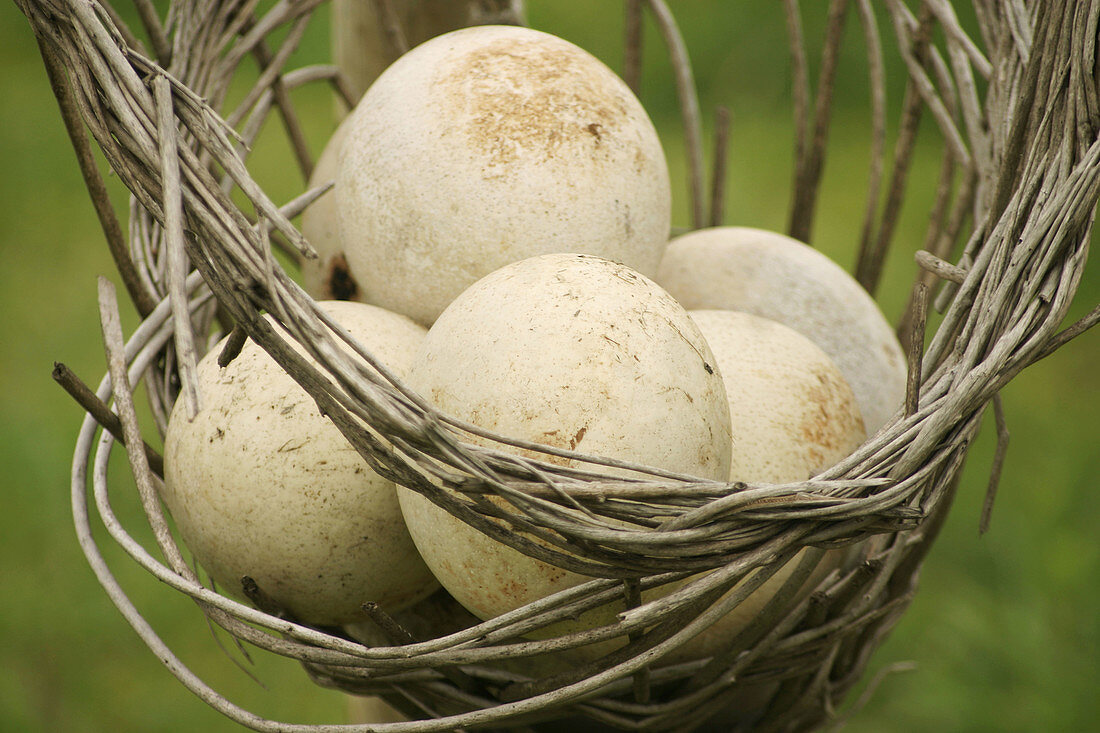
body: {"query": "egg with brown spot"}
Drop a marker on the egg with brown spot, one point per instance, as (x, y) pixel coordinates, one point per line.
(488, 145)
(536, 351)
(792, 416)
(777, 277)
(792, 412)
(259, 483)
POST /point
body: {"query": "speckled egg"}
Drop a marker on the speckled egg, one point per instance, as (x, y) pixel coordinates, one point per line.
(570, 351)
(488, 145)
(793, 415)
(259, 483)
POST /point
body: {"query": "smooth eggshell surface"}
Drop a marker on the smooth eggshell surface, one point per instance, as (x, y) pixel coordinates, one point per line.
(488, 145)
(774, 276)
(328, 276)
(570, 351)
(261, 484)
(793, 415)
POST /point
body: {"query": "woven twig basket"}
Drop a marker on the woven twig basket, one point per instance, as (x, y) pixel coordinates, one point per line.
(1018, 110)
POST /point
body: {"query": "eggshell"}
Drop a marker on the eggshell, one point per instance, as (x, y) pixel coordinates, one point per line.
(259, 483)
(793, 415)
(327, 277)
(774, 276)
(488, 145)
(570, 351)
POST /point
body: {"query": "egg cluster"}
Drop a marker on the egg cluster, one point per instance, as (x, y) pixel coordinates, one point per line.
(499, 235)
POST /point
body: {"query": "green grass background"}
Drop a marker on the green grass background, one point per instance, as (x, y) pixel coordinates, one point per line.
(1004, 630)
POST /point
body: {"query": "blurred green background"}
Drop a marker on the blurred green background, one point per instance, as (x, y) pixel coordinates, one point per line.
(1004, 631)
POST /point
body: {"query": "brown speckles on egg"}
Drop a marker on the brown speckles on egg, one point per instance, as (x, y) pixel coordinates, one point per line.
(260, 484)
(525, 94)
(613, 370)
(793, 413)
(578, 436)
(488, 145)
(830, 415)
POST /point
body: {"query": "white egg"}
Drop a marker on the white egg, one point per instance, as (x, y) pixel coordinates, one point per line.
(571, 351)
(774, 276)
(793, 415)
(327, 277)
(488, 145)
(259, 483)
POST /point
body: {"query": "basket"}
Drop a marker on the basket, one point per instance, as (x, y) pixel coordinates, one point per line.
(1017, 108)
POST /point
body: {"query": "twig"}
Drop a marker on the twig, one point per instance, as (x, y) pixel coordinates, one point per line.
(161, 47)
(124, 401)
(632, 46)
(998, 464)
(689, 106)
(119, 28)
(804, 198)
(143, 301)
(261, 600)
(1064, 337)
(877, 79)
(399, 636)
(632, 591)
(233, 345)
(718, 175)
(800, 84)
(102, 414)
(916, 350)
(177, 267)
(271, 79)
(939, 268)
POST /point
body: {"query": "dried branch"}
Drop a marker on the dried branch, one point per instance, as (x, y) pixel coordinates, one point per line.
(718, 170)
(102, 414)
(101, 200)
(940, 268)
(916, 350)
(689, 106)
(177, 265)
(812, 160)
(998, 465)
(632, 45)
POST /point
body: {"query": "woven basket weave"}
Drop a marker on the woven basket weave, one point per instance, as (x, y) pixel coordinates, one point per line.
(1018, 110)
